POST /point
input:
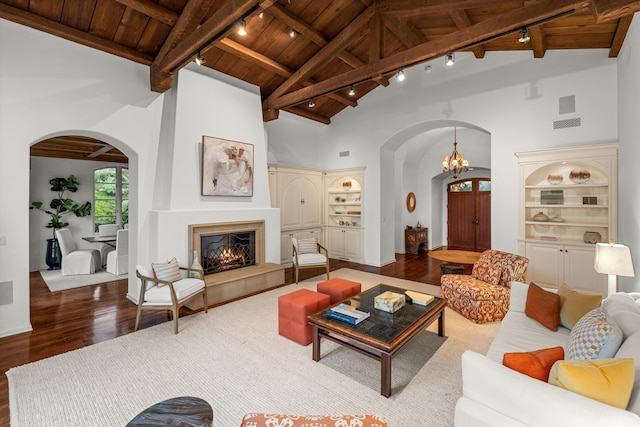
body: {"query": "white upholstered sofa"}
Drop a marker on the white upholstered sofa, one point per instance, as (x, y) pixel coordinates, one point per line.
(494, 395)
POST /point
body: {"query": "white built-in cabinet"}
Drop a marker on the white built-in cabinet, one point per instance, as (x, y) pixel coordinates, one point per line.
(568, 200)
(319, 203)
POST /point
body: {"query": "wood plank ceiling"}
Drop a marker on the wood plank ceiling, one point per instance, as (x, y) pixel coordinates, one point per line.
(298, 51)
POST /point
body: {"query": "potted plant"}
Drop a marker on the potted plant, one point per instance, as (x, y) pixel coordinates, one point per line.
(59, 207)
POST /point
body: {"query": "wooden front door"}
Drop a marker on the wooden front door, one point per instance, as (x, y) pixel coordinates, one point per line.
(469, 214)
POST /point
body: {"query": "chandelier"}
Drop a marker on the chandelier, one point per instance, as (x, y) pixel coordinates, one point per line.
(455, 164)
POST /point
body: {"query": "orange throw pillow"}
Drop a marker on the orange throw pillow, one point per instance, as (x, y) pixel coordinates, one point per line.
(543, 306)
(536, 364)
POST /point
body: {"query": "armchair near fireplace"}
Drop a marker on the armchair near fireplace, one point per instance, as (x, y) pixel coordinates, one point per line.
(308, 253)
(164, 288)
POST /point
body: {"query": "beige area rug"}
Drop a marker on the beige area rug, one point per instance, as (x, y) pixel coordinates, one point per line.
(57, 282)
(234, 358)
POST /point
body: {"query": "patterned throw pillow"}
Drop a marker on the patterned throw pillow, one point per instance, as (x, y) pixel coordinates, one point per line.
(609, 381)
(536, 364)
(308, 246)
(169, 271)
(284, 420)
(487, 272)
(543, 306)
(594, 337)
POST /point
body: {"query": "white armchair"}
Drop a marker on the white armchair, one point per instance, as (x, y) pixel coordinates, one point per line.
(308, 253)
(165, 288)
(74, 260)
(105, 248)
(118, 259)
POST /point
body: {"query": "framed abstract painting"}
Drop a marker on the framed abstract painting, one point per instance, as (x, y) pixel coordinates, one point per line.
(227, 167)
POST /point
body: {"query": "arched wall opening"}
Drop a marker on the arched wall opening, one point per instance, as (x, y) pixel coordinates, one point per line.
(411, 161)
(42, 167)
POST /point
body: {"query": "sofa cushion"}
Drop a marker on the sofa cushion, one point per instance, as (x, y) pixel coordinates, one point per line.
(536, 364)
(543, 306)
(606, 380)
(630, 348)
(574, 304)
(487, 272)
(473, 288)
(625, 311)
(594, 337)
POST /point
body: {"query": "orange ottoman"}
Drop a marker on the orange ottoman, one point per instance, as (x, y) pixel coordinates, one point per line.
(293, 310)
(339, 289)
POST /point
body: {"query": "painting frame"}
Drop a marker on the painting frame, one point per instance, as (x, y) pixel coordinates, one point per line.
(227, 167)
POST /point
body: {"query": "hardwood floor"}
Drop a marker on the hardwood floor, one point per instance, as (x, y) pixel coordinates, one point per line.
(68, 320)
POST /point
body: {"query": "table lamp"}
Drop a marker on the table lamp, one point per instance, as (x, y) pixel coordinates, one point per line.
(615, 260)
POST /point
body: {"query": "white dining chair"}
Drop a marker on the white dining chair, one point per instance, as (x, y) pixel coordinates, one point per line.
(74, 260)
(106, 230)
(118, 259)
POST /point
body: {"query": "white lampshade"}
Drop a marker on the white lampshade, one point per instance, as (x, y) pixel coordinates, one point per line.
(613, 259)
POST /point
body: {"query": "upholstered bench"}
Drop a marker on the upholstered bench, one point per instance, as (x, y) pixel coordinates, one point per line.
(269, 420)
(339, 289)
(293, 309)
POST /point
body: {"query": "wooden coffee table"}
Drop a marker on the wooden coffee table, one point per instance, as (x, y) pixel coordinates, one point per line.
(381, 335)
(178, 411)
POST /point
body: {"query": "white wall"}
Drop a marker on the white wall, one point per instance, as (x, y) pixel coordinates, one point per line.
(63, 88)
(512, 96)
(629, 150)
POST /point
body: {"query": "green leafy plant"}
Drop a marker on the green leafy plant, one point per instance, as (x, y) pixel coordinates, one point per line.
(61, 206)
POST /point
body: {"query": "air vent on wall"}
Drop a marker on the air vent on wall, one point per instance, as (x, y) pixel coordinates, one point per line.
(568, 123)
(567, 104)
(344, 154)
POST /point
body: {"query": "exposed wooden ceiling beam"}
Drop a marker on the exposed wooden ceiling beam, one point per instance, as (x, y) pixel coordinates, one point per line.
(269, 64)
(462, 39)
(537, 42)
(462, 20)
(407, 8)
(308, 114)
(607, 10)
(337, 44)
(57, 29)
(621, 32)
(152, 10)
(404, 31)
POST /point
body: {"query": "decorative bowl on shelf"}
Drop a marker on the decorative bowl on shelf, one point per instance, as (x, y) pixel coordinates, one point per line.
(557, 218)
(554, 178)
(579, 175)
(592, 237)
(540, 217)
(346, 185)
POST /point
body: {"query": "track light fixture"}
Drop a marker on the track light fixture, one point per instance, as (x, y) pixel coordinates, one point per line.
(352, 91)
(292, 33)
(449, 59)
(200, 59)
(261, 15)
(311, 103)
(400, 76)
(242, 27)
(524, 36)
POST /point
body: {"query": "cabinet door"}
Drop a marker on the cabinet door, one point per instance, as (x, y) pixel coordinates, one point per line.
(353, 244)
(290, 201)
(336, 242)
(311, 197)
(545, 264)
(579, 272)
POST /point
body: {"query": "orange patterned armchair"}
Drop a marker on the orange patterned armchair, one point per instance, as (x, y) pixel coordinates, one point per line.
(483, 296)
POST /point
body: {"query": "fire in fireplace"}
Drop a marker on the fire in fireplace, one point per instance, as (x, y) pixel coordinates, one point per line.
(227, 251)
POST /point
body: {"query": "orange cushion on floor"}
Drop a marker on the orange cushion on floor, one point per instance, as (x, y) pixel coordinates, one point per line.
(293, 309)
(339, 289)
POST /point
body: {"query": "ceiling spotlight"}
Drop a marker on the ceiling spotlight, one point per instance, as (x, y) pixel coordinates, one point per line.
(524, 36)
(450, 59)
(292, 33)
(200, 59)
(427, 68)
(400, 76)
(352, 91)
(311, 103)
(242, 27)
(261, 15)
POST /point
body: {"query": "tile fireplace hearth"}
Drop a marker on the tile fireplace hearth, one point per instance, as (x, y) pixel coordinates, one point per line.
(233, 257)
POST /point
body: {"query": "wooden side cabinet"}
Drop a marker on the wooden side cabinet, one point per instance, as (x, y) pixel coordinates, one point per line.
(416, 239)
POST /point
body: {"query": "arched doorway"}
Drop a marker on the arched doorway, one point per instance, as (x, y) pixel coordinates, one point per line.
(469, 214)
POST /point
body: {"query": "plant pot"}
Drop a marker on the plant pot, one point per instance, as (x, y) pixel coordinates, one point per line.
(54, 257)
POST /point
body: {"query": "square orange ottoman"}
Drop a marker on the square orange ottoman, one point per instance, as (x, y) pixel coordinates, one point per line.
(293, 309)
(339, 289)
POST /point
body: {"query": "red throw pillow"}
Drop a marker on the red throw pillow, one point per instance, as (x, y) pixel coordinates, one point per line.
(536, 364)
(543, 306)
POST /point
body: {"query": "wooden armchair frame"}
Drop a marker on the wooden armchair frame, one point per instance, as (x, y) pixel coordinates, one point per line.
(176, 304)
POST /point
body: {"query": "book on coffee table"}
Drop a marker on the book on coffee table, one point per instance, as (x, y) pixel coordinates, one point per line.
(419, 298)
(347, 313)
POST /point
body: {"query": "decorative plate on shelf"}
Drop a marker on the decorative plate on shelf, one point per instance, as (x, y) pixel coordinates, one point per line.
(554, 178)
(579, 175)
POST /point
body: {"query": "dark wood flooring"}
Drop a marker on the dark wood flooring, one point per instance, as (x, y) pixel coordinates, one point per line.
(68, 320)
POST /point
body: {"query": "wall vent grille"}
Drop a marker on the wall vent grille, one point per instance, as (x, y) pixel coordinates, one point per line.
(568, 123)
(344, 154)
